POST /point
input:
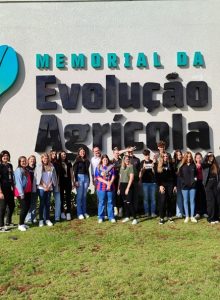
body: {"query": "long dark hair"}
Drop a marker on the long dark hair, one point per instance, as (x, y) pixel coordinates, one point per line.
(19, 160)
(60, 158)
(78, 157)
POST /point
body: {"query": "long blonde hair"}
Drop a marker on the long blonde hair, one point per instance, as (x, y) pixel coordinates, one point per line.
(48, 167)
(161, 162)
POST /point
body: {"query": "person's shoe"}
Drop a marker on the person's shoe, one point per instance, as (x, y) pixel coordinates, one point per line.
(216, 222)
(212, 222)
(49, 223)
(186, 220)
(22, 228)
(80, 217)
(113, 221)
(134, 222)
(100, 221)
(153, 215)
(4, 229)
(34, 221)
(171, 220)
(26, 226)
(205, 216)
(193, 220)
(179, 216)
(161, 222)
(125, 220)
(86, 216)
(115, 211)
(68, 217)
(63, 216)
(41, 223)
(197, 216)
(57, 220)
(105, 217)
(146, 214)
(120, 212)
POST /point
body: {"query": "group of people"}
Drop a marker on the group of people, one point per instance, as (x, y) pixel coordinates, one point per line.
(181, 186)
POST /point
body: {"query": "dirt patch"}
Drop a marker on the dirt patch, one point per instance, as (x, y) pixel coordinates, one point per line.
(96, 248)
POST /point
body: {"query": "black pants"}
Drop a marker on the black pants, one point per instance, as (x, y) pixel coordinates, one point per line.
(200, 200)
(66, 187)
(7, 206)
(118, 202)
(128, 200)
(24, 207)
(212, 199)
(166, 201)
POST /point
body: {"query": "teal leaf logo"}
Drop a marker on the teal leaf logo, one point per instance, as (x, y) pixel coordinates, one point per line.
(8, 68)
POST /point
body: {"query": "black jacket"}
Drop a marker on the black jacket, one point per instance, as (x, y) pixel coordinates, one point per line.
(188, 176)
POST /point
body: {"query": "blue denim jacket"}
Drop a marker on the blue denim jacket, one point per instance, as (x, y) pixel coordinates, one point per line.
(20, 180)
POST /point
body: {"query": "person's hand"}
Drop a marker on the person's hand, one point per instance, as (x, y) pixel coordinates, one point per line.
(76, 184)
(118, 191)
(1, 196)
(162, 189)
(174, 189)
(126, 191)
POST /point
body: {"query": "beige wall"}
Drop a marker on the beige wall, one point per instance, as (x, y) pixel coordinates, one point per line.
(86, 27)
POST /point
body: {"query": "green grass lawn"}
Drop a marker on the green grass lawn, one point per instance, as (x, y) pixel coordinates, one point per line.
(86, 260)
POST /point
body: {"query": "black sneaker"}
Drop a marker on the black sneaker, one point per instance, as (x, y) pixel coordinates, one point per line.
(161, 221)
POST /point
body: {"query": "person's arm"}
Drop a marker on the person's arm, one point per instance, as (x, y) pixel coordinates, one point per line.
(131, 179)
(126, 150)
(18, 182)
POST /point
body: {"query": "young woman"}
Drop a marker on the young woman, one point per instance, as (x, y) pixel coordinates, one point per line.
(211, 181)
(117, 200)
(166, 180)
(6, 190)
(148, 180)
(66, 184)
(125, 188)
(105, 175)
(177, 160)
(23, 188)
(200, 200)
(188, 175)
(81, 173)
(45, 178)
(31, 216)
(56, 190)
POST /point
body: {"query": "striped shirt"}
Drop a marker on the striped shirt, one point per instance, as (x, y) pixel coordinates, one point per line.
(100, 173)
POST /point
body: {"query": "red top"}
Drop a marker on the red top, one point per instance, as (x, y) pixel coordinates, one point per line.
(199, 172)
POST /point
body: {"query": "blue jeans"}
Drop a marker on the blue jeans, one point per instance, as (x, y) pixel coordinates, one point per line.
(31, 215)
(83, 181)
(57, 200)
(102, 196)
(44, 204)
(189, 195)
(179, 203)
(149, 190)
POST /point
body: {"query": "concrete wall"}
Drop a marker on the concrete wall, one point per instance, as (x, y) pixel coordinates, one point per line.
(118, 26)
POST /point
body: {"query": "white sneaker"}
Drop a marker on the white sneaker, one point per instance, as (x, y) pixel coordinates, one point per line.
(197, 216)
(205, 216)
(26, 226)
(80, 217)
(186, 220)
(134, 222)
(153, 215)
(100, 221)
(125, 220)
(22, 228)
(49, 223)
(193, 220)
(68, 217)
(63, 216)
(113, 221)
(41, 223)
(34, 221)
(106, 217)
(212, 222)
(86, 216)
(216, 222)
